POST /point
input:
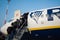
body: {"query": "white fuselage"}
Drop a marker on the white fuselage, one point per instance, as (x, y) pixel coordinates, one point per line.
(44, 19)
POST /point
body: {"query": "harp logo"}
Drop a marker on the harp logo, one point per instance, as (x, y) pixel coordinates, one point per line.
(54, 11)
(35, 15)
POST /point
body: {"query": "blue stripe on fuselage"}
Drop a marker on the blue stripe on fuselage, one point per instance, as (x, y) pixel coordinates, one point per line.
(46, 32)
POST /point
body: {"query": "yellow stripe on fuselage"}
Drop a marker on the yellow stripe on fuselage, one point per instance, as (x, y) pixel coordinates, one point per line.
(43, 28)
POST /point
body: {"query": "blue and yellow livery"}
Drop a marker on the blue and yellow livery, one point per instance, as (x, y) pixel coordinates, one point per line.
(45, 22)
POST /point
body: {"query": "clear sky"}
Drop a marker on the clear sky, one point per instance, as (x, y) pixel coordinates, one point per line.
(24, 6)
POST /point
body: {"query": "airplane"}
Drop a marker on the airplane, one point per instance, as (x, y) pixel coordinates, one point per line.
(42, 24)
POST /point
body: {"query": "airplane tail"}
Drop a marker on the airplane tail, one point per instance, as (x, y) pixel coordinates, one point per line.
(17, 14)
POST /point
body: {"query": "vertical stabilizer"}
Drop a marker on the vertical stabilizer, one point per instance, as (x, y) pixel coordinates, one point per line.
(17, 14)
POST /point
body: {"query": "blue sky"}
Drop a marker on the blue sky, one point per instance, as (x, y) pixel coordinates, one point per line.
(24, 6)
